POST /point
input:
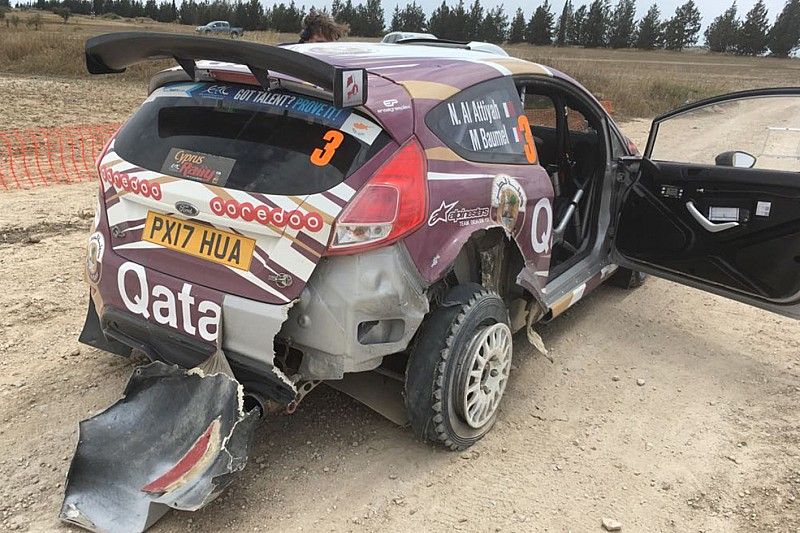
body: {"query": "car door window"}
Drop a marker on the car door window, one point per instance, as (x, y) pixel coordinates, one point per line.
(759, 132)
(482, 124)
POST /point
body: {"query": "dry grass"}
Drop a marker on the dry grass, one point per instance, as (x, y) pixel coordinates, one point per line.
(57, 48)
(640, 84)
(643, 84)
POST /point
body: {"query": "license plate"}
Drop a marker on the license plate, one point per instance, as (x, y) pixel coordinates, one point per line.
(199, 240)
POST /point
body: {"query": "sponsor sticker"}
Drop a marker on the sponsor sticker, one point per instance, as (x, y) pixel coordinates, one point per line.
(353, 90)
(277, 217)
(451, 213)
(390, 106)
(508, 203)
(198, 166)
(276, 101)
(542, 226)
(361, 128)
(94, 256)
(133, 184)
(181, 310)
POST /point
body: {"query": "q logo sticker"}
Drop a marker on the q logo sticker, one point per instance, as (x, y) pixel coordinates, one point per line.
(542, 231)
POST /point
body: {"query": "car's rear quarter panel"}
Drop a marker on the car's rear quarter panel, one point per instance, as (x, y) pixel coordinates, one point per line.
(435, 246)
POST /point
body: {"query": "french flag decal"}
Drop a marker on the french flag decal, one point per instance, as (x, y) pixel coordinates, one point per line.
(507, 109)
(516, 134)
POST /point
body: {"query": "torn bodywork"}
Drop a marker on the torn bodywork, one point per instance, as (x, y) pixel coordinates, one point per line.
(137, 459)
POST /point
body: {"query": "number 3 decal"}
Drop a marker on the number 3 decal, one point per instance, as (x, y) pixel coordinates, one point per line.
(530, 145)
(322, 156)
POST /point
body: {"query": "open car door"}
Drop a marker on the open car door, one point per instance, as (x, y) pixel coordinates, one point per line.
(715, 201)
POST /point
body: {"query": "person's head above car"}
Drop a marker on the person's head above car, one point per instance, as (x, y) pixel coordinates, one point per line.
(319, 27)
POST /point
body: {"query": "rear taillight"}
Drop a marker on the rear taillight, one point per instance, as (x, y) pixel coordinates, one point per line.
(391, 205)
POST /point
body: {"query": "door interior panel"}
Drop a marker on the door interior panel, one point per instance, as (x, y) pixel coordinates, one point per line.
(760, 257)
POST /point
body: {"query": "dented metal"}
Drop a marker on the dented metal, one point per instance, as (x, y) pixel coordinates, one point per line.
(137, 459)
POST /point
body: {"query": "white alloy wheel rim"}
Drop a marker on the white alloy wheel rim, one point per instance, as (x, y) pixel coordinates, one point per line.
(488, 365)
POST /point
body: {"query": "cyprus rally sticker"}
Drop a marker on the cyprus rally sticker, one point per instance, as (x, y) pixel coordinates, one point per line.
(198, 166)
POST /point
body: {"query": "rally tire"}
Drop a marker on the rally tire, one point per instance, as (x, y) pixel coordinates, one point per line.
(439, 366)
(626, 278)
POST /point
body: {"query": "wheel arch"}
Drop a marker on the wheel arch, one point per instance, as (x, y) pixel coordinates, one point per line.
(492, 259)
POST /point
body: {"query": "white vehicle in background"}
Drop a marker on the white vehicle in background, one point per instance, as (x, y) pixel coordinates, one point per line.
(427, 39)
(397, 36)
(219, 26)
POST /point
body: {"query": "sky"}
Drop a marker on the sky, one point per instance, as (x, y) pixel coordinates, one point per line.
(708, 8)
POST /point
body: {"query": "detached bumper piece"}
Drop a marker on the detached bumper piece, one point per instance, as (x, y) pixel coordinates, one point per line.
(176, 439)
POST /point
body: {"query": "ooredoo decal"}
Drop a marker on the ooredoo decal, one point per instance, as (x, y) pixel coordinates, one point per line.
(452, 213)
(198, 166)
(542, 226)
(295, 219)
(176, 310)
(94, 256)
(508, 203)
(128, 183)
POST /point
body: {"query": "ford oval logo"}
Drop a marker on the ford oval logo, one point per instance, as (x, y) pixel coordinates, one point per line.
(185, 208)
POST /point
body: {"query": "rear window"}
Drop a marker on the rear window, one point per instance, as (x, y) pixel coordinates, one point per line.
(245, 138)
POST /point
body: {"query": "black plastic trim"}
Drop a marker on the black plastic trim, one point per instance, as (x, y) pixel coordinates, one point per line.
(112, 53)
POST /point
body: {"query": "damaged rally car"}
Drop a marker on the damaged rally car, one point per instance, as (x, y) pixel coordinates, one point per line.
(384, 217)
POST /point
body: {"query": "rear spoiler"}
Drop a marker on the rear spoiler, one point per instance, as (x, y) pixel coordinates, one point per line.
(112, 53)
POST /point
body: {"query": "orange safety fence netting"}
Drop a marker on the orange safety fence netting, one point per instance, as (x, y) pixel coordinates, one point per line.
(35, 157)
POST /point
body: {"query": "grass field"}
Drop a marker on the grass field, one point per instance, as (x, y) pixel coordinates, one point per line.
(640, 84)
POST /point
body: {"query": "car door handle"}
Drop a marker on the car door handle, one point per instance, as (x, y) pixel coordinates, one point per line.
(713, 227)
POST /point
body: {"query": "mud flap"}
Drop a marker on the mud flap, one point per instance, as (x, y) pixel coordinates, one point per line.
(92, 334)
(176, 439)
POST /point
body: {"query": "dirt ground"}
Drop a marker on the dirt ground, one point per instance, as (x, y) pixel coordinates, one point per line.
(666, 409)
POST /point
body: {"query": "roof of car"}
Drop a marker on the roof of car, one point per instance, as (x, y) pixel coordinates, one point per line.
(428, 72)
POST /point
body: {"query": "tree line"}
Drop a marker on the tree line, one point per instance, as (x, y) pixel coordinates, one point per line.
(597, 24)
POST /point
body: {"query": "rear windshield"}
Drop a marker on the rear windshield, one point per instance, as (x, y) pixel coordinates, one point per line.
(244, 138)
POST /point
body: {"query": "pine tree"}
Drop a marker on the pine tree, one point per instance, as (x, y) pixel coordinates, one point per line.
(622, 25)
(577, 35)
(784, 38)
(151, 9)
(254, 16)
(723, 32)
(516, 33)
(438, 21)
(540, 27)
(564, 24)
(754, 34)
(494, 26)
(343, 13)
(596, 25)
(683, 28)
(474, 20)
(410, 18)
(458, 23)
(650, 31)
(370, 19)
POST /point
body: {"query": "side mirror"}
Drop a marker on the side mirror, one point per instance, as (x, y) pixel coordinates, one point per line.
(735, 159)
